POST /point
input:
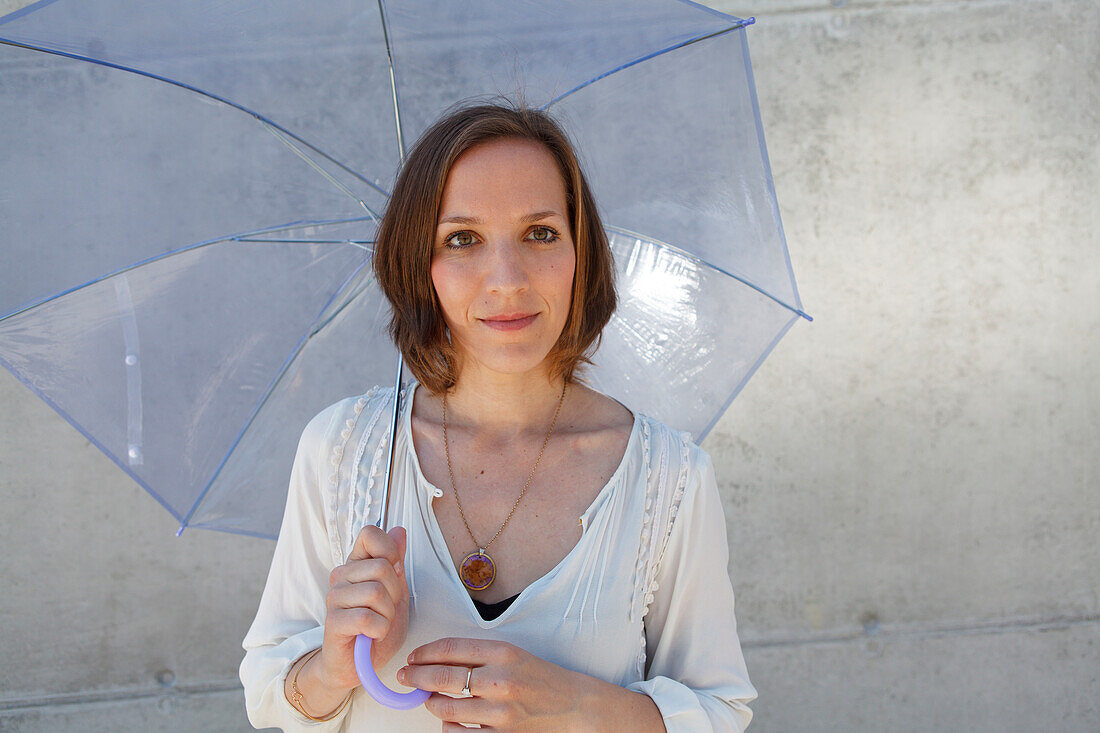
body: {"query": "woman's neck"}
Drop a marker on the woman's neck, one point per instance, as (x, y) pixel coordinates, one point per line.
(504, 404)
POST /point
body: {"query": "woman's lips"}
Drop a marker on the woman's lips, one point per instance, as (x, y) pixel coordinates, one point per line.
(508, 323)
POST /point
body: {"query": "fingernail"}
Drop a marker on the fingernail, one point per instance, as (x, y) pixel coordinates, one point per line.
(401, 674)
(410, 659)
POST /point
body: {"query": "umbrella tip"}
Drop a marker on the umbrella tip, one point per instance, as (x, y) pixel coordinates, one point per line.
(180, 530)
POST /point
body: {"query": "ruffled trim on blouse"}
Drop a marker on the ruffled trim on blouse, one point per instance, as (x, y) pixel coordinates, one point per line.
(377, 431)
(349, 493)
(348, 411)
(354, 420)
(659, 515)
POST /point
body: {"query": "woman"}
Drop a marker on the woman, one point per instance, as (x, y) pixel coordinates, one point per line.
(556, 560)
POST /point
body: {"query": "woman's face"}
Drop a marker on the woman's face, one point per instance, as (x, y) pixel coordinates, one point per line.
(503, 257)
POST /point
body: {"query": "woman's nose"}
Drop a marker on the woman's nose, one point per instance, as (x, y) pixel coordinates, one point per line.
(506, 269)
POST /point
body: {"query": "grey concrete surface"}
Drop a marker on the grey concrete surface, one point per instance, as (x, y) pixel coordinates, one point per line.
(1022, 679)
(106, 618)
(172, 712)
(910, 481)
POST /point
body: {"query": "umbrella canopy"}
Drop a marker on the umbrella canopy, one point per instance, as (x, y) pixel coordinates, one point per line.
(190, 188)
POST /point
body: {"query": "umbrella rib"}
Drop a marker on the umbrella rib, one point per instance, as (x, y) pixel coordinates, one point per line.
(360, 243)
(128, 470)
(393, 79)
(211, 95)
(25, 10)
(241, 237)
(767, 165)
(745, 379)
(281, 137)
(310, 332)
(318, 326)
(699, 260)
(645, 57)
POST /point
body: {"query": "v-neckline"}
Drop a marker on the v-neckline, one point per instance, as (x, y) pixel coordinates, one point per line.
(436, 532)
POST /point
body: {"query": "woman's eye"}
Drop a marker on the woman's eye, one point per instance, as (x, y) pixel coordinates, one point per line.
(544, 234)
(459, 239)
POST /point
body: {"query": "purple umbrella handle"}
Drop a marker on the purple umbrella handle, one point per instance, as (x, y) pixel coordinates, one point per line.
(376, 688)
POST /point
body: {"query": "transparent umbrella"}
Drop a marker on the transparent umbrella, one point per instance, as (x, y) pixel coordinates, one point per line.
(189, 190)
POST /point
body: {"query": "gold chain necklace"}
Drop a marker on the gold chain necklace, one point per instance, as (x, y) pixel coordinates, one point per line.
(478, 570)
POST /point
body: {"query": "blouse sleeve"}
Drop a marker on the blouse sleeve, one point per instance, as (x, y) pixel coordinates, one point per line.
(696, 672)
(291, 616)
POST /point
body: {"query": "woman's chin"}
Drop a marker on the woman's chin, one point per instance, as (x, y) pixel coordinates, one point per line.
(510, 363)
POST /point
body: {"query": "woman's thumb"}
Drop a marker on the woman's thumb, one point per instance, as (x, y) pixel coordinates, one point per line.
(401, 537)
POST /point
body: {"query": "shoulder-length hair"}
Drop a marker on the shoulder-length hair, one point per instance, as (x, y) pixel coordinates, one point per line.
(406, 237)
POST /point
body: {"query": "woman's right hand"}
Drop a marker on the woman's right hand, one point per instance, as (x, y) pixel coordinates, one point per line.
(368, 594)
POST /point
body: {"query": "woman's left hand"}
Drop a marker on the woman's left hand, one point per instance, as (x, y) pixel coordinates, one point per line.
(511, 689)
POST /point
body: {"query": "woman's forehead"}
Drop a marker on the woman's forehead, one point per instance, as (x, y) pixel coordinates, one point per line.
(507, 178)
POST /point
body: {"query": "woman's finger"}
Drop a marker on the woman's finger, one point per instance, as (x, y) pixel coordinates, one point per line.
(376, 570)
(463, 709)
(352, 621)
(373, 542)
(435, 677)
(371, 594)
(461, 650)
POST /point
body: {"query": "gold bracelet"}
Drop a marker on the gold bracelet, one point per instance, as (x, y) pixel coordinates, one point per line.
(297, 703)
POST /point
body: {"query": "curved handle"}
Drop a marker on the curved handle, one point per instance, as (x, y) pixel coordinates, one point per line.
(376, 688)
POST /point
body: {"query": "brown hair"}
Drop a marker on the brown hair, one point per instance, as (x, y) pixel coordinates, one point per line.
(405, 242)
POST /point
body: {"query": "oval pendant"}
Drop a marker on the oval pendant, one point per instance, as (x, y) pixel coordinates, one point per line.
(477, 570)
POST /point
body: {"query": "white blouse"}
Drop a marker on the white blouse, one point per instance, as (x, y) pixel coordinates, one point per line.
(643, 600)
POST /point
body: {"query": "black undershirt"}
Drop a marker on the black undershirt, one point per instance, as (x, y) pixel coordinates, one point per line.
(490, 611)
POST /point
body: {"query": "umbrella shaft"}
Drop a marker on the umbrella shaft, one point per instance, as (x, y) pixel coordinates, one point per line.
(383, 518)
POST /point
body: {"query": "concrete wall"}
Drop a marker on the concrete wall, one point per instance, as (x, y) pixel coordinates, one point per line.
(911, 481)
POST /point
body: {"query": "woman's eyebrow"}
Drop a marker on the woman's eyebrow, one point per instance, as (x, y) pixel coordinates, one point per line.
(540, 215)
(525, 219)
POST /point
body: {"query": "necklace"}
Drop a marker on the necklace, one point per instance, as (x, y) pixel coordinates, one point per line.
(478, 570)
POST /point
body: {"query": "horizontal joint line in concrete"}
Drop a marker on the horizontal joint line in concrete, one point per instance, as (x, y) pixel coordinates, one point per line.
(858, 7)
(109, 696)
(1002, 626)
